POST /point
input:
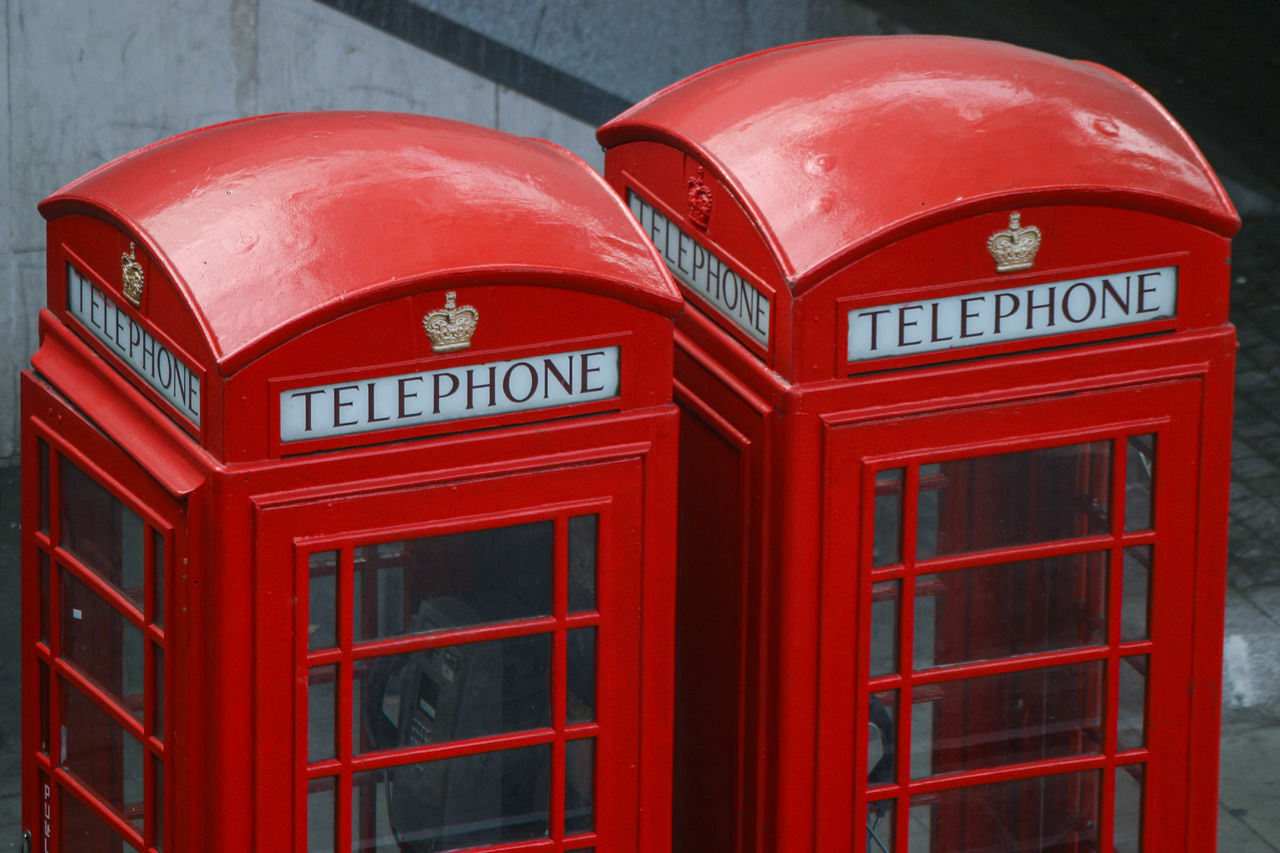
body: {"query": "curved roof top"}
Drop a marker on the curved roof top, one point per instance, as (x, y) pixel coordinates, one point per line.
(274, 224)
(835, 145)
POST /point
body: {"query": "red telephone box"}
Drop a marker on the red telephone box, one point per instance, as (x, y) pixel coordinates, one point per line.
(956, 390)
(348, 449)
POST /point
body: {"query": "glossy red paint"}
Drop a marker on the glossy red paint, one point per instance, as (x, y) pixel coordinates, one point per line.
(840, 518)
(294, 260)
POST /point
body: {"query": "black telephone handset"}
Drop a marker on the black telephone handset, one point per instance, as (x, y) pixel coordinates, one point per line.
(452, 693)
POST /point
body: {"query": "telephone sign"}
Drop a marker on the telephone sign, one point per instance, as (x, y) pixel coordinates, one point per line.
(346, 525)
(955, 378)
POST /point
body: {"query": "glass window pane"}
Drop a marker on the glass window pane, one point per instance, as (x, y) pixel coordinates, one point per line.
(102, 643)
(882, 714)
(157, 539)
(886, 548)
(454, 580)
(1047, 813)
(1128, 823)
(991, 612)
(579, 786)
(322, 810)
(44, 486)
(157, 808)
(82, 830)
(1015, 499)
(581, 705)
(1139, 470)
(1132, 732)
(44, 707)
(880, 826)
(158, 663)
(453, 693)
(44, 597)
(1010, 718)
(582, 562)
(322, 598)
(884, 627)
(1136, 600)
(321, 707)
(101, 753)
(101, 532)
(453, 803)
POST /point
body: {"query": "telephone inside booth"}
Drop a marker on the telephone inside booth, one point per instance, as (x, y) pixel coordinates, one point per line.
(1025, 578)
(464, 687)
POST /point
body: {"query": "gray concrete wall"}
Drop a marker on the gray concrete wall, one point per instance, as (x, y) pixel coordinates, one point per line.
(84, 82)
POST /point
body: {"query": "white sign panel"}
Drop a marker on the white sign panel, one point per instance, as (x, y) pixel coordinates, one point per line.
(1054, 308)
(147, 357)
(451, 393)
(705, 273)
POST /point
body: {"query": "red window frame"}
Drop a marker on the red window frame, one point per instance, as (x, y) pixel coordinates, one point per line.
(859, 451)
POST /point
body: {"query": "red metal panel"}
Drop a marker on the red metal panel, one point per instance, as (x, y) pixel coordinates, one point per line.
(837, 145)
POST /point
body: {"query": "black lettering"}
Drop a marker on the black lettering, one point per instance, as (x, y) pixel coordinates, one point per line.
(1066, 302)
(339, 404)
(370, 414)
(699, 260)
(148, 353)
(761, 304)
(404, 395)
(586, 370)
(1109, 289)
(748, 293)
(193, 397)
(1004, 315)
(933, 335)
(730, 288)
(436, 396)
(713, 271)
(472, 387)
(549, 367)
(164, 365)
(681, 239)
(966, 316)
(533, 382)
(875, 344)
(306, 406)
(1143, 290)
(95, 303)
(135, 338)
(903, 325)
(1032, 307)
(119, 326)
(180, 381)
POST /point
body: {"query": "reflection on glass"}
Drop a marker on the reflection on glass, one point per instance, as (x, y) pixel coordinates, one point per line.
(101, 753)
(157, 664)
(480, 576)
(1128, 823)
(157, 548)
(44, 486)
(1132, 732)
(102, 643)
(1010, 718)
(84, 830)
(321, 705)
(322, 598)
(1136, 599)
(991, 612)
(1048, 813)
(579, 786)
(582, 562)
(880, 826)
(881, 714)
(886, 547)
(453, 803)
(44, 706)
(322, 810)
(453, 693)
(1014, 499)
(101, 532)
(1139, 471)
(884, 627)
(581, 704)
(157, 807)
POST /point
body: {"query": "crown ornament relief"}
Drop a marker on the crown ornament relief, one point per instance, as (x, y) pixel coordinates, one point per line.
(131, 278)
(699, 200)
(1014, 249)
(450, 328)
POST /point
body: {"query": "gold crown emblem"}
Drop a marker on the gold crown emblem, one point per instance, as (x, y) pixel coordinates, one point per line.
(450, 328)
(1016, 248)
(699, 200)
(131, 278)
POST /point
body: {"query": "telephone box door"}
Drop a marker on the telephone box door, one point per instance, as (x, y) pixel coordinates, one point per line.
(1026, 615)
(450, 636)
